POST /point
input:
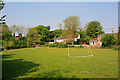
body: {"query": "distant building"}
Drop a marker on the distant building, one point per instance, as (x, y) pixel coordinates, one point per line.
(62, 38)
(97, 41)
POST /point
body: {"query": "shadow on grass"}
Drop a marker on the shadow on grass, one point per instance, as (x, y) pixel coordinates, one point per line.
(5, 56)
(18, 67)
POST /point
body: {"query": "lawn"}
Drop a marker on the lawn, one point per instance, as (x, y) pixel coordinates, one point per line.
(54, 63)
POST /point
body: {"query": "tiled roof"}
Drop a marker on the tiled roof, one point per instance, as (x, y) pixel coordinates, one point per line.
(94, 39)
(100, 35)
(62, 37)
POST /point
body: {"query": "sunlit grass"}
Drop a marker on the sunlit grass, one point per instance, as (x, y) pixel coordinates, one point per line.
(54, 63)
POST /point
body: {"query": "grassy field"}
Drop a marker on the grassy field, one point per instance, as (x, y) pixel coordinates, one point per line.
(54, 63)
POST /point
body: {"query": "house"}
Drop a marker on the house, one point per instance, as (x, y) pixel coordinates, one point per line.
(63, 38)
(97, 41)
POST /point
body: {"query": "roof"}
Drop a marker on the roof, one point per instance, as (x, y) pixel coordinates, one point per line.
(93, 39)
(107, 33)
(112, 34)
(100, 35)
(63, 37)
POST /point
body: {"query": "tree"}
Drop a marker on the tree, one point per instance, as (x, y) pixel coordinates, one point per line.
(6, 34)
(2, 5)
(26, 30)
(18, 29)
(33, 37)
(43, 31)
(13, 29)
(5, 44)
(108, 40)
(10, 44)
(55, 33)
(71, 24)
(93, 29)
(87, 38)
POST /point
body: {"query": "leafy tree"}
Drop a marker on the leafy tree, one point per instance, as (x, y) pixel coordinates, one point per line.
(5, 44)
(2, 5)
(33, 37)
(43, 31)
(10, 44)
(108, 40)
(93, 29)
(17, 43)
(71, 24)
(6, 34)
(54, 34)
(82, 35)
(87, 39)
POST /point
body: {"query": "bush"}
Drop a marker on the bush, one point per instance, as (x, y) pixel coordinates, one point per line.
(62, 45)
(53, 45)
(41, 43)
(46, 45)
(71, 46)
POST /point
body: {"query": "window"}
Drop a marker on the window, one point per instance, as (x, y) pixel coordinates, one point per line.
(93, 43)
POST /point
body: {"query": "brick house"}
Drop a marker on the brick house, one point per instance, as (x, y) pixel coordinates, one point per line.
(97, 42)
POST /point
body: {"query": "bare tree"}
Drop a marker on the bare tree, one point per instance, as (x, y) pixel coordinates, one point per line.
(71, 24)
(13, 29)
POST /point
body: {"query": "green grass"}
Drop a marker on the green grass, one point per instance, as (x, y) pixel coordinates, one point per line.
(54, 63)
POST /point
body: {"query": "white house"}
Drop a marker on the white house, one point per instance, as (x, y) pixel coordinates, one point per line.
(62, 38)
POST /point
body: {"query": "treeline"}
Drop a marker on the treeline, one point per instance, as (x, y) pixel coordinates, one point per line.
(41, 35)
(27, 37)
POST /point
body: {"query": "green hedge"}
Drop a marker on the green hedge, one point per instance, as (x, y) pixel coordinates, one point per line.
(57, 45)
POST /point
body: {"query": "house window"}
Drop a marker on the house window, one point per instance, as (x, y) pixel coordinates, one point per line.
(93, 43)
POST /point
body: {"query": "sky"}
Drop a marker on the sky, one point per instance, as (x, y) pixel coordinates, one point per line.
(31, 14)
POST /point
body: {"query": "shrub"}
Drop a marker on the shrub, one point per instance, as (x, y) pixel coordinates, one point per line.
(61, 45)
(41, 43)
(46, 45)
(53, 45)
(71, 46)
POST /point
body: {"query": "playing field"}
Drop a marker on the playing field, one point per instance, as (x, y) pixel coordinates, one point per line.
(54, 63)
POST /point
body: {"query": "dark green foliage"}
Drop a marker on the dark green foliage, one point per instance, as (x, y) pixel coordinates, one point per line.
(94, 28)
(46, 45)
(41, 43)
(53, 45)
(2, 5)
(62, 45)
(54, 34)
(80, 46)
(108, 41)
(43, 31)
(6, 34)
